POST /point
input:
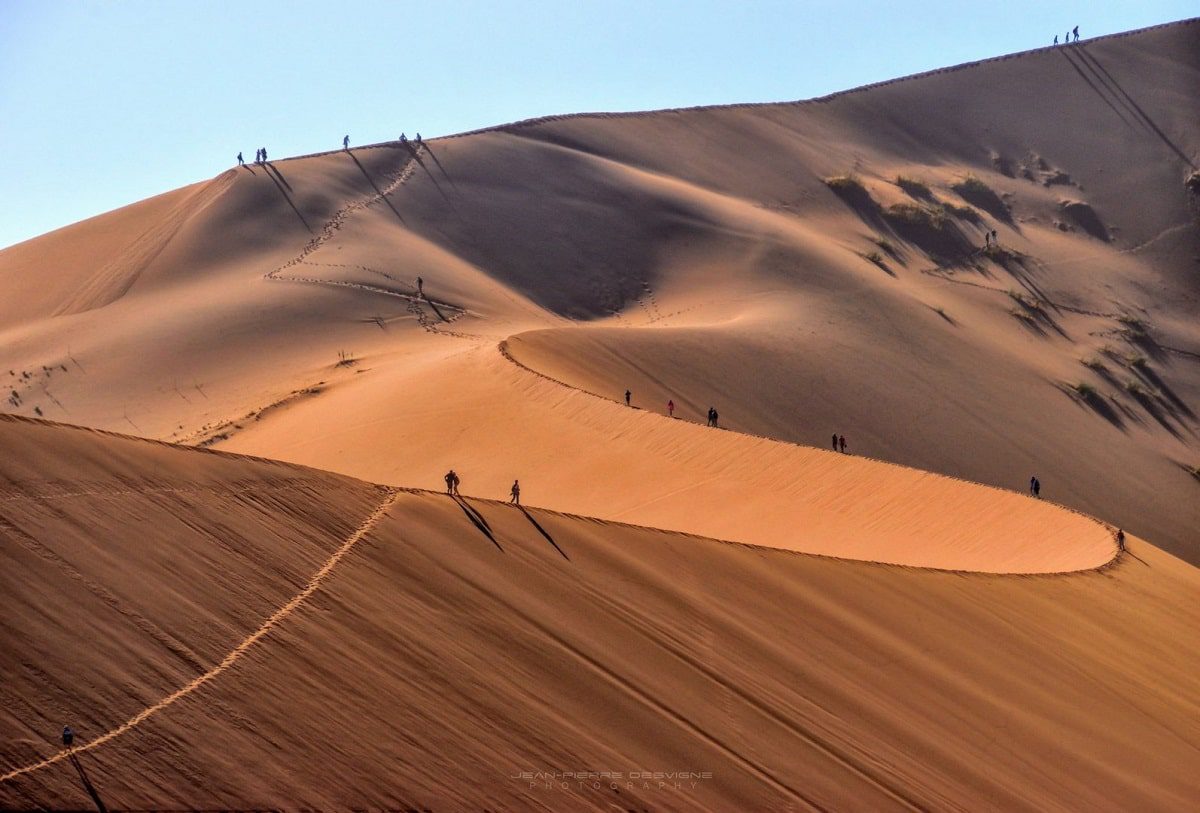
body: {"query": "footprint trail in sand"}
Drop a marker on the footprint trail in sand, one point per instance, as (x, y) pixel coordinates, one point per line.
(234, 655)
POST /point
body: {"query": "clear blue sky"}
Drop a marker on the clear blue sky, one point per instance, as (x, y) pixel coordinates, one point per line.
(106, 102)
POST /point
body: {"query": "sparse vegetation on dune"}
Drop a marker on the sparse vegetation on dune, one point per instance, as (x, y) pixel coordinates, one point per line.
(850, 189)
(1024, 300)
(1133, 325)
(961, 212)
(914, 188)
(976, 192)
(1093, 363)
(1084, 390)
(887, 245)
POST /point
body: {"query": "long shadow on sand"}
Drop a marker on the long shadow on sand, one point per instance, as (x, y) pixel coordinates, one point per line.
(374, 186)
(87, 784)
(1114, 86)
(279, 184)
(477, 520)
(543, 532)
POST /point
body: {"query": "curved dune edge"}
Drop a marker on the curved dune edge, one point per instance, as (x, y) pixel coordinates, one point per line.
(862, 509)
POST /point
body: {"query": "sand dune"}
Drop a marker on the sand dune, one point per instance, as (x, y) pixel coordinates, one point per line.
(366, 649)
(900, 626)
(697, 255)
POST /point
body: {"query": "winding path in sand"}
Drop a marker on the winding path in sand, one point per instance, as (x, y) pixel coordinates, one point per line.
(236, 654)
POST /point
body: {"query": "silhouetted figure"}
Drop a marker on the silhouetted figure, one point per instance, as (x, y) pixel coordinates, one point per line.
(240, 161)
(516, 493)
(1120, 540)
(628, 395)
(842, 443)
(1075, 31)
(835, 441)
(1056, 39)
(345, 142)
(671, 408)
(258, 156)
(995, 238)
(403, 138)
(420, 287)
(68, 736)
(1037, 487)
(712, 416)
(419, 141)
(455, 482)
(450, 477)
(1067, 38)
(264, 152)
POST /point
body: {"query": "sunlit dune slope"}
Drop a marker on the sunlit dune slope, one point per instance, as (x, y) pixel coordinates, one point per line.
(576, 452)
(237, 633)
(806, 268)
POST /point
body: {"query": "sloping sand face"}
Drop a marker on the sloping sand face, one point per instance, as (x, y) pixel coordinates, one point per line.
(230, 633)
(579, 453)
(712, 260)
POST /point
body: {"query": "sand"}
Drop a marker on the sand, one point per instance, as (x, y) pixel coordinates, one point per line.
(900, 625)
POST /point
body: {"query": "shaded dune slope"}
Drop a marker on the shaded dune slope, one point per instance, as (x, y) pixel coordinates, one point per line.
(429, 652)
(693, 247)
(509, 642)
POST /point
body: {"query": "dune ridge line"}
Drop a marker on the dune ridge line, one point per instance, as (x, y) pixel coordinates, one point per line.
(235, 654)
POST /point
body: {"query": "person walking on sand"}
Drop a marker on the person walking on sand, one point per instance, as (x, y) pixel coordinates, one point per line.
(1037, 488)
(241, 163)
(449, 478)
(835, 441)
(713, 417)
(420, 287)
(264, 152)
(515, 491)
(842, 443)
(403, 138)
(346, 142)
(1120, 541)
(68, 736)
(671, 408)
(1056, 39)
(419, 141)
(1075, 32)
(628, 395)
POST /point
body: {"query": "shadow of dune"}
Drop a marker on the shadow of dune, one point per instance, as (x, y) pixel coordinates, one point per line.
(543, 532)
(87, 784)
(477, 520)
(374, 186)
